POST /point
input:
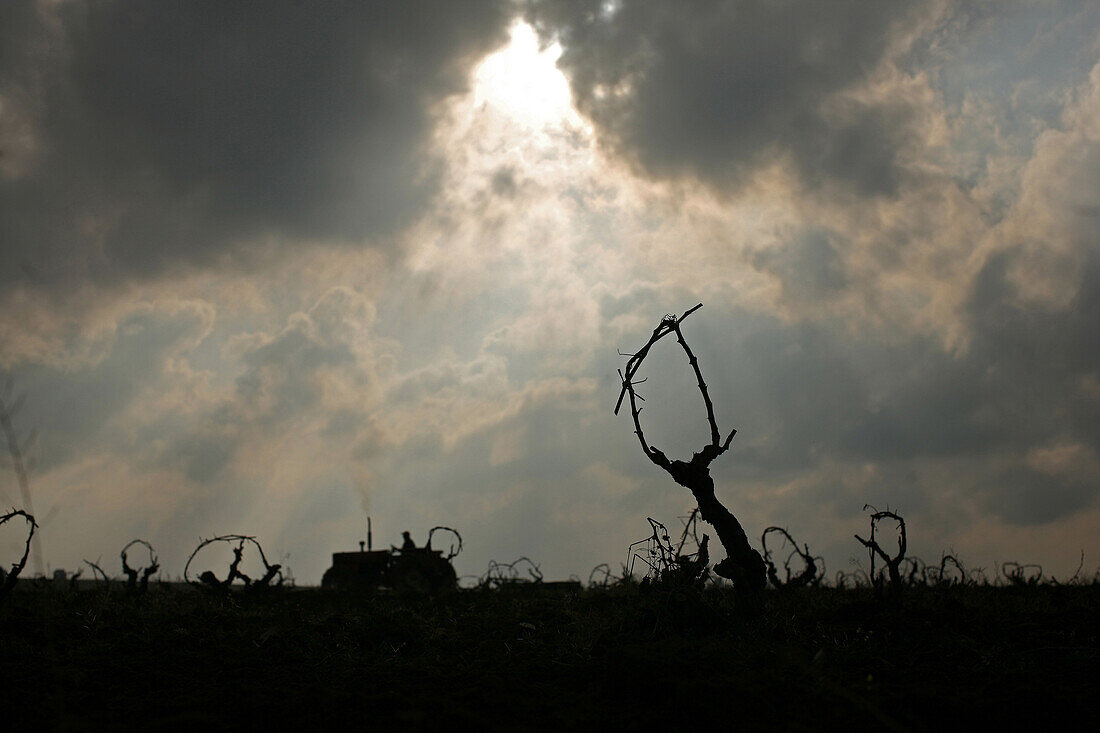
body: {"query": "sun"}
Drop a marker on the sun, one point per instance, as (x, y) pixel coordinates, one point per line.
(523, 81)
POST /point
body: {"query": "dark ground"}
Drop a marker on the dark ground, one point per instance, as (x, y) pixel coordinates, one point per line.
(621, 658)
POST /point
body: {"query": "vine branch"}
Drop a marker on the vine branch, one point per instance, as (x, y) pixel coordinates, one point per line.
(10, 577)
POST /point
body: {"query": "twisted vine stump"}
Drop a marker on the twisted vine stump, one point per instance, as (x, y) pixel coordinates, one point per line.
(893, 564)
(743, 565)
(8, 578)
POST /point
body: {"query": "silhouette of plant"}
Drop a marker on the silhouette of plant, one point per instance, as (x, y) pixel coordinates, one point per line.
(857, 578)
(132, 584)
(1074, 579)
(209, 580)
(73, 578)
(743, 565)
(945, 576)
(669, 565)
(1017, 574)
(98, 573)
(809, 575)
(976, 576)
(915, 571)
(20, 463)
(502, 574)
(893, 563)
(9, 578)
(600, 577)
(690, 531)
(454, 549)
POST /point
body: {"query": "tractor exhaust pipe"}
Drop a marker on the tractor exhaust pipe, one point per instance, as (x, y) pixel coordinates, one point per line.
(368, 535)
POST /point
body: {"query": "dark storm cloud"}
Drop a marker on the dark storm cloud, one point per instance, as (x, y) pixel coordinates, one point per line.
(1028, 497)
(169, 133)
(1038, 358)
(716, 89)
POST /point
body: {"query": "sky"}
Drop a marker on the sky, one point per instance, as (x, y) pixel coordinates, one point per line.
(272, 268)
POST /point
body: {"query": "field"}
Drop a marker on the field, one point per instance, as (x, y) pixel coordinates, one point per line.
(624, 657)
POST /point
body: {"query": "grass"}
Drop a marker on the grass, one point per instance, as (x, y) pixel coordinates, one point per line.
(625, 657)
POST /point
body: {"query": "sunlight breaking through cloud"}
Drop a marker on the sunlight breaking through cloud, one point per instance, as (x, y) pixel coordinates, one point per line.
(524, 82)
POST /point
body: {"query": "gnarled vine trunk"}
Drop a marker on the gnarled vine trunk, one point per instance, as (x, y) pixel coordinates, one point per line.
(743, 565)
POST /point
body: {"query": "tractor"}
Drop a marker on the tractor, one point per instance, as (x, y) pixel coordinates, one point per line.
(405, 568)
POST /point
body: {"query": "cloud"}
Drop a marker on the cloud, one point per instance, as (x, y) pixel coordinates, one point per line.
(1053, 227)
(720, 90)
(79, 410)
(144, 139)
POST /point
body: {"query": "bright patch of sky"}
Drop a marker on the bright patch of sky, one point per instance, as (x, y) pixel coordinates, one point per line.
(522, 80)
